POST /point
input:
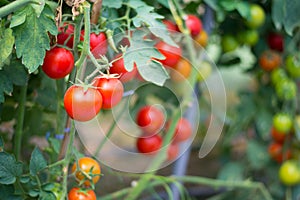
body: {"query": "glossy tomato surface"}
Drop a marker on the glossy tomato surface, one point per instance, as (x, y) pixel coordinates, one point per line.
(194, 24)
(78, 194)
(149, 144)
(58, 63)
(172, 54)
(81, 104)
(65, 35)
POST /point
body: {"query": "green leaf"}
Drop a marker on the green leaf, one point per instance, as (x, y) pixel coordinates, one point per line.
(112, 3)
(7, 41)
(37, 162)
(263, 123)
(9, 168)
(44, 195)
(277, 13)
(16, 72)
(243, 8)
(8, 192)
(55, 144)
(292, 18)
(141, 52)
(38, 7)
(232, 171)
(165, 3)
(5, 85)
(31, 35)
(1, 144)
(146, 16)
(257, 154)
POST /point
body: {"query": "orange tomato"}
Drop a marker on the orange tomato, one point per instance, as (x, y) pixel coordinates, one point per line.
(269, 60)
(181, 71)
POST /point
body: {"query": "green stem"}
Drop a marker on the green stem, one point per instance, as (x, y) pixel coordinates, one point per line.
(14, 6)
(60, 114)
(20, 122)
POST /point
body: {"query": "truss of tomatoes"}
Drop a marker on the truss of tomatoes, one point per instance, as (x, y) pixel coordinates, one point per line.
(152, 120)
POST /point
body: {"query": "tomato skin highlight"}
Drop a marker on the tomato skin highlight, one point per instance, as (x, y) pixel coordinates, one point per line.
(194, 24)
(172, 54)
(58, 63)
(76, 194)
(111, 90)
(82, 105)
(118, 67)
(89, 166)
(149, 144)
(150, 119)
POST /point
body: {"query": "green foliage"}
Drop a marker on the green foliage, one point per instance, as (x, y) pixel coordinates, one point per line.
(32, 45)
(10, 169)
(232, 171)
(8, 192)
(7, 41)
(256, 154)
(112, 3)
(37, 162)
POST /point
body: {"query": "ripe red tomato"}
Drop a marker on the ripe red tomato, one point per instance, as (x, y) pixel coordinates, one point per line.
(289, 173)
(173, 151)
(81, 104)
(90, 167)
(278, 136)
(181, 71)
(171, 27)
(58, 63)
(150, 119)
(172, 54)
(269, 60)
(98, 43)
(278, 153)
(275, 41)
(194, 24)
(149, 144)
(65, 34)
(111, 90)
(118, 67)
(78, 194)
(183, 130)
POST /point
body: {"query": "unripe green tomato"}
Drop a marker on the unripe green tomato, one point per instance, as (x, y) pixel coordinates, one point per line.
(229, 43)
(204, 70)
(257, 16)
(282, 122)
(277, 75)
(289, 173)
(286, 89)
(293, 66)
(249, 37)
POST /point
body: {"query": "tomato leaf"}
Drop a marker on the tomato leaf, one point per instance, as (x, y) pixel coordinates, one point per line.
(112, 3)
(32, 45)
(9, 168)
(141, 52)
(45, 195)
(263, 122)
(7, 41)
(232, 171)
(257, 154)
(146, 16)
(37, 162)
(8, 192)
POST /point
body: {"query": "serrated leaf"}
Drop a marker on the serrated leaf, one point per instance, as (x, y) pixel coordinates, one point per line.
(232, 171)
(112, 3)
(8, 192)
(37, 162)
(7, 41)
(9, 168)
(146, 16)
(154, 72)
(38, 7)
(256, 154)
(31, 37)
(44, 195)
(5, 85)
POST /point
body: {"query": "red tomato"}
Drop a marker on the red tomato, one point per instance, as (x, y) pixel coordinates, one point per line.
(118, 67)
(58, 63)
(98, 43)
(150, 119)
(78, 194)
(183, 130)
(149, 144)
(277, 152)
(172, 54)
(275, 41)
(81, 104)
(66, 35)
(269, 60)
(89, 166)
(278, 136)
(111, 90)
(194, 24)
(173, 151)
(170, 25)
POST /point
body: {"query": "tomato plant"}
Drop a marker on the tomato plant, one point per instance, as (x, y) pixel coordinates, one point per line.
(172, 54)
(87, 171)
(194, 24)
(82, 104)
(118, 67)
(65, 35)
(58, 63)
(111, 90)
(79, 194)
(98, 43)
(149, 144)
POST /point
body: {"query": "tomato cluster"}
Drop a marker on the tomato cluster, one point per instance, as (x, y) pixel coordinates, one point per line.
(87, 172)
(152, 122)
